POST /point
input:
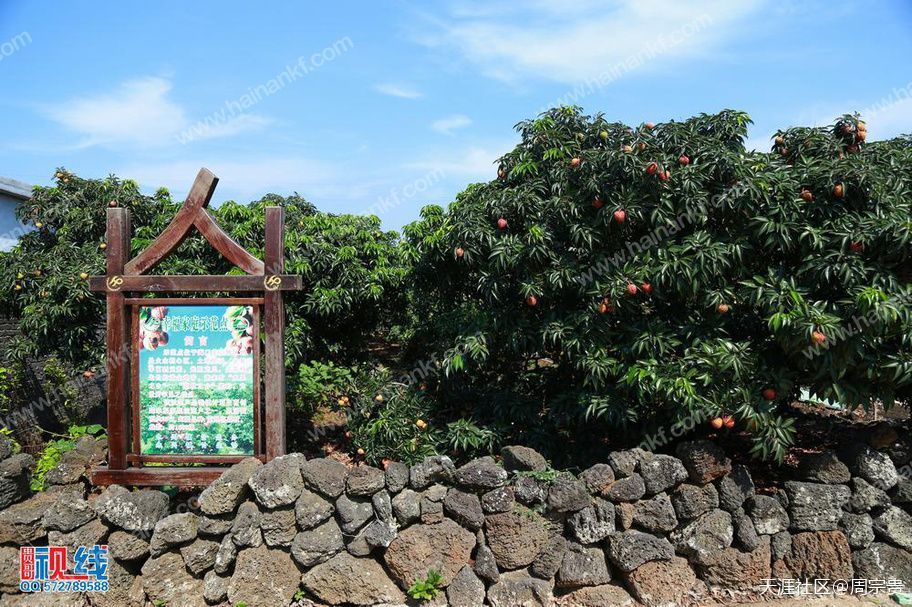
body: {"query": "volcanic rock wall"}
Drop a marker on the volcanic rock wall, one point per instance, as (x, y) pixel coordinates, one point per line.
(640, 528)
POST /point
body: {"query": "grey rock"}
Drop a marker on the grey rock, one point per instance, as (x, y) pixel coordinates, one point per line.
(597, 477)
(278, 526)
(464, 508)
(215, 526)
(124, 588)
(593, 523)
(767, 513)
(604, 595)
(902, 492)
(226, 555)
(524, 459)
(20, 524)
(735, 488)
(549, 559)
(397, 477)
(498, 500)
(131, 510)
(358, 546)
(691, 501)
(466, 590)
(780, 545)
(630, 549)
(353, 514)
(481, 474)
(702, 539)
(517, 589)
(625, 463)
(883, 562)
(311, 509)
(346, 580)
(15, 479)
(704, 460)
(71, 469)
(93, 532)
(567, 494)
(125, 546)
(583, 566)
(166, 581)
(858, 529)
(215, 587)
(364, 481)
(824, 467)
(626, 489)
(407, 507)
(436, 493)
(325, 476)
(745, 533)
(875, 467)
(230, 489)
(279, 482)
(199, 556)
(68, 512)
(529, 491)
(434, 469)
(815, 506)
(245, 532)
(317, 545)
(431, 510)
(172, 531)
(866, 497)
(895, 526)
(383, 507)
(655, 515)
(661, 472)
(6, 447)
(378, 534)
(264, 577)
(486, 565)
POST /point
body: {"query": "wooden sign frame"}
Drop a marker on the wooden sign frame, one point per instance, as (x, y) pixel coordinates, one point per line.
(263, 283)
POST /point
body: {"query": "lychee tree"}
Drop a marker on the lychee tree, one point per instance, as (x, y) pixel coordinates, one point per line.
(351, 268)
(631, 279)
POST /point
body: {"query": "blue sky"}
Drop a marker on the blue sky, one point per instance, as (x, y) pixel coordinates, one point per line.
(384, 107)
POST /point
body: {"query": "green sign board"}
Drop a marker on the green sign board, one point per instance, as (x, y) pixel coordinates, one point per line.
(196, 379)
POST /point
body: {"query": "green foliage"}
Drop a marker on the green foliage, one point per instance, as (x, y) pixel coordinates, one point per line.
(11, 378)
(586, 357)
(54, 450)
(547, 475)
(319, 384)
(9, 434)
(428, 588)
(394, 420)
(58, 382)
(384, 421)
(351, 269)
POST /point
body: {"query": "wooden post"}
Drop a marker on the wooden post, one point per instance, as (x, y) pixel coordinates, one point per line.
(126, 278)
(118, 339)
(274, 326)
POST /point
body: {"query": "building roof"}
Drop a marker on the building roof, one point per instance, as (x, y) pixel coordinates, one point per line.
(14, 188)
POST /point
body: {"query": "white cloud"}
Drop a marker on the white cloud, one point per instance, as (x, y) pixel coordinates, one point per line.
(573, 42)
(474, 163)
(450, 123)
(240, 178)
(398, 90)
(139, 112)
